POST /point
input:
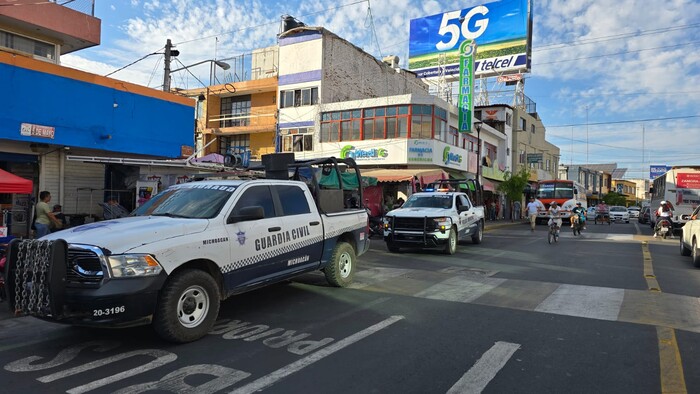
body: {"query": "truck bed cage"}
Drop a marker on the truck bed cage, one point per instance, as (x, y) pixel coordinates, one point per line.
(469, 185)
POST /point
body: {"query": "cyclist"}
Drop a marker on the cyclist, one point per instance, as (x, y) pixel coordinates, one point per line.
(578, 210)
(554, 215)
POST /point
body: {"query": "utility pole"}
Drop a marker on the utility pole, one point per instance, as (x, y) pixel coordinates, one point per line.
(169, 52)
(166, 72)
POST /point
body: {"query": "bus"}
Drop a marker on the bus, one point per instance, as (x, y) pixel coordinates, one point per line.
(680, 186)
(565, 192)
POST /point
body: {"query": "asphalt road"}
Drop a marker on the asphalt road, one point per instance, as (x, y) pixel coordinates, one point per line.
(613, 310)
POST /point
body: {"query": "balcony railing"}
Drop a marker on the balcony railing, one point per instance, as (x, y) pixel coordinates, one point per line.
(255, 118)
(84, 6)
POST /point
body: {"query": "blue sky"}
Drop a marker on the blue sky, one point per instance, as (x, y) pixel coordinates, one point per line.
(599, 67)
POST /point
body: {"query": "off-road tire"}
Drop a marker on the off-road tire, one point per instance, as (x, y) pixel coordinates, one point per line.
(188, 306)
(451, 245)
(684, 251)
(340, 271)
(478, 236)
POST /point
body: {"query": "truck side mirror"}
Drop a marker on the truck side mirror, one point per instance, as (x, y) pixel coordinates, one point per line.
(245, 214)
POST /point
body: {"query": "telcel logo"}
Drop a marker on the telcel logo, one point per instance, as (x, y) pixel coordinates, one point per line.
(449, 157)
(350, 151)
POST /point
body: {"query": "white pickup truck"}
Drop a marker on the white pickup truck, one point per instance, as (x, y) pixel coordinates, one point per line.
(434, 220)
(177, 256)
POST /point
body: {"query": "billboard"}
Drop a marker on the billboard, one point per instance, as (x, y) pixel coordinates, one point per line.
(502, 30)
(656, 170)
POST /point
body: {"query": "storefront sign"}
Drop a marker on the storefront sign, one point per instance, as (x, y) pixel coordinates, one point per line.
(420, 151)
(35, 130)
(186, 151)
(363, 154)
(467, 53)
(534, 158)
(656, 171)
(450, 157)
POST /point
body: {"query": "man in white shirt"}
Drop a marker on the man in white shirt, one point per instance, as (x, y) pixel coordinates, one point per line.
(532, 208)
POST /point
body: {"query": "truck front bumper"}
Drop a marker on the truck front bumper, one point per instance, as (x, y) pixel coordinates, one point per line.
(40, 283)
(117, 303)
(415, 239)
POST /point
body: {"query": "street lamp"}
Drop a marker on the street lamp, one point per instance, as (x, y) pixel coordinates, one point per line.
(166, 80)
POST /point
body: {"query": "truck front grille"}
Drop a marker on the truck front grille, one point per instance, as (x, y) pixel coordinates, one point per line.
(415, 224)
(84, 267)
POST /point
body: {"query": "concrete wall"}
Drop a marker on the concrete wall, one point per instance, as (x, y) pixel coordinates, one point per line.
(350, 74)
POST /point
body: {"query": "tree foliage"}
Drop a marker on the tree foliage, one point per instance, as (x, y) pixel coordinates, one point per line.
(514, 184)
(614, 198)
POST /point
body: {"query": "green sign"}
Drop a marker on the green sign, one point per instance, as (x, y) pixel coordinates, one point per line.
(467, 51)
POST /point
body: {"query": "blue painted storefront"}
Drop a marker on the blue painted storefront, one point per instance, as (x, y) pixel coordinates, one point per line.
(86, 112)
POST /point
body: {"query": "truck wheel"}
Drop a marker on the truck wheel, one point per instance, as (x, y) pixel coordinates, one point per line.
(451, 246)
(187, 307)
(478, 236)
(341, 269)
(392, 247)
(684, 251)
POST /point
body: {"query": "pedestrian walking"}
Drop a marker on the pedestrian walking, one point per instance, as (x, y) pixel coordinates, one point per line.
(44, 215)
(532, 208)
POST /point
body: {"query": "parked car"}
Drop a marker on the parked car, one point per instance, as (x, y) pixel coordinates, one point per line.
(590, 213)
(644, 215)
(633, 211)
(690, 237)
(619, 213)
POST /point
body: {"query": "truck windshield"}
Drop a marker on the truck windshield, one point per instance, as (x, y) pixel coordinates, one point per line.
(438, 201)
(187, 202)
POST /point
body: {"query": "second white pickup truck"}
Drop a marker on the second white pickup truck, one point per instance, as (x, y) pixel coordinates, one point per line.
(434, 220)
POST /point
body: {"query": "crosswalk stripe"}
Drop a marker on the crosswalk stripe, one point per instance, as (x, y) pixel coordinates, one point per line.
(602, 303)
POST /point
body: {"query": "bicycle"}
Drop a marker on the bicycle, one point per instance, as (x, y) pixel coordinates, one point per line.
(553, 234)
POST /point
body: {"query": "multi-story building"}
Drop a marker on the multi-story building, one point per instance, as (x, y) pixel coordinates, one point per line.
(627, 189)
(51, 112)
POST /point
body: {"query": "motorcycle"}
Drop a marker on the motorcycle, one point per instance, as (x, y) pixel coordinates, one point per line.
(579, 222)
(376, 226)
(664, 227)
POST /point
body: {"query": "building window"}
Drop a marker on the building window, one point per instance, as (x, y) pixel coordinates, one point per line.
(549, 165)
(491, 152)
(523, 124)
(298, 97)
(532, 128)
(477, 114)
(297, 140)
(509, 118)
(235, 111)
(234, 144)
(521, 157)
(365, 124)
(422, 122)
(454, 136)
(28, 45)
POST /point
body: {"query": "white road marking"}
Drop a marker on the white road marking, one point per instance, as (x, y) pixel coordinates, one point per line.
(296, 366)
(478, 376)
(602, 303)
(460, 288)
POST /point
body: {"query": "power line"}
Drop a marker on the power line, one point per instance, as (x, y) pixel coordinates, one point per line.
(618, 53)
(134, 62)
(627, 121)
(613, 37)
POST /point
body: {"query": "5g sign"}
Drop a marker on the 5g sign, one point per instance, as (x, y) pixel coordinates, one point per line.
(450, 26)
(501, 29)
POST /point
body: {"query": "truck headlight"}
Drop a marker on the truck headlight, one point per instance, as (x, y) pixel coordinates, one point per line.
(442, 224)
(131, 265)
